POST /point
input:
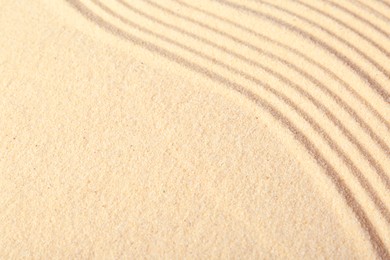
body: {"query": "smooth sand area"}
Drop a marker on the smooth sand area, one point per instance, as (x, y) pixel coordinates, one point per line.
(194, 129)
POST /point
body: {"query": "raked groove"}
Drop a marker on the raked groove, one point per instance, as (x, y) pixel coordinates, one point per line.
(335, 140)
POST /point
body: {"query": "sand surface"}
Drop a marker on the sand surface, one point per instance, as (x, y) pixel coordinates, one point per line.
(254, 129)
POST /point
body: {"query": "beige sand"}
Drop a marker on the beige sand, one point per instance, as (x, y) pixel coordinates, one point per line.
(194, 129)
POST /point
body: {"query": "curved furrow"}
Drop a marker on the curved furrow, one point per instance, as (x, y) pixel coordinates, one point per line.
(318, 42)
(263, 37)
(358, 17)
(351, 166)
(372, 161)
(378, 245)
(382, 54)
(347, 26)
(381, 143)
(379, 66)
(370, 10)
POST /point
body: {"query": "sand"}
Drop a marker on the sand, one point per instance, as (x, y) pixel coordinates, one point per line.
(194, 129)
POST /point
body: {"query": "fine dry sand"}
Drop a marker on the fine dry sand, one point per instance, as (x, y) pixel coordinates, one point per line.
(194, 129)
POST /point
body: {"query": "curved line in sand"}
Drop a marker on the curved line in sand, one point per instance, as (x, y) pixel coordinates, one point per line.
(288, 48)
(370, 10)
(318, 42)
(331, 34)
(345, 25)
(366, 224)
(380, 171)
(355, 15)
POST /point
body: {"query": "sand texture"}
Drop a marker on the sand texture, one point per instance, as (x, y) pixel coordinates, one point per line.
(210, 129)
